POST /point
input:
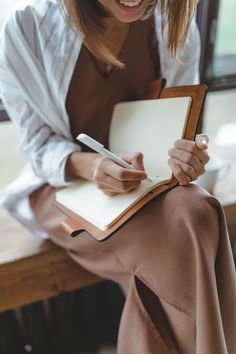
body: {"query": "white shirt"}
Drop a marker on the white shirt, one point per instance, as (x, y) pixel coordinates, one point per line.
(38, 53)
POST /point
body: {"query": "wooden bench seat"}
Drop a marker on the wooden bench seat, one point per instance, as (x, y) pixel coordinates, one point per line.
(32, 269)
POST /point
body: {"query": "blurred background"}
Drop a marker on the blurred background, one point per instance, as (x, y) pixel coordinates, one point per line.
(216, 20)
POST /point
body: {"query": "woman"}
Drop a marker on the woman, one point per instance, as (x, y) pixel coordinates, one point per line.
(58, 78)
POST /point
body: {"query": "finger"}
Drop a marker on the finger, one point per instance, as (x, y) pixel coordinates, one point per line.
(107, 191)
(136, 159)
(180, 175)
(202, 141)
(187, 169)
(123, 174)
(188, 159)
(191, 146)
(118, 186)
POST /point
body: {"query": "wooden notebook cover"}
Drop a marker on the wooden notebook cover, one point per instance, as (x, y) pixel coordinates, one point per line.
(75, 224)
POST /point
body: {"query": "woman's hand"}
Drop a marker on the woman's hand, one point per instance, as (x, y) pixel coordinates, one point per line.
(109, 177)
(113, 179)
(188, 159)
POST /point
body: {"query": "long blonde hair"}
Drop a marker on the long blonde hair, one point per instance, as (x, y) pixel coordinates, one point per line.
(88, 17)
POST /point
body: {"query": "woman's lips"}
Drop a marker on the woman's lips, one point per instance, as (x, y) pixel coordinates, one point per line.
(129, 6)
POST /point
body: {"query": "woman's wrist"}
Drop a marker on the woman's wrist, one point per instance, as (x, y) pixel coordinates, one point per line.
(81, 164)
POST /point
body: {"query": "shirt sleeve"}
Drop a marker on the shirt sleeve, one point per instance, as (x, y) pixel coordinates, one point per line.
(46, 149)
(183, 70)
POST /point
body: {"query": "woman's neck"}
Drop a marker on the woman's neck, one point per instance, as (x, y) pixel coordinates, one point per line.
(115, 34)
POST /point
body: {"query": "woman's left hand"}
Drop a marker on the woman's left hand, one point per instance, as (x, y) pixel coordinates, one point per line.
(188, 159)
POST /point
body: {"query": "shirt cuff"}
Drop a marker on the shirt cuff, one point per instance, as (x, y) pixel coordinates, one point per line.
(55, 164)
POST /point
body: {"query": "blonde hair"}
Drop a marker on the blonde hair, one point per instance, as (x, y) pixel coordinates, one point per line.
(88, 17)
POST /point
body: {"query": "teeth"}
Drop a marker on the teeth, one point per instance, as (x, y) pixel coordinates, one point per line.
(131, 3)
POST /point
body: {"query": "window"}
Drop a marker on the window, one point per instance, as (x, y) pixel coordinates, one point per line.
(224, 59)
(216, 19)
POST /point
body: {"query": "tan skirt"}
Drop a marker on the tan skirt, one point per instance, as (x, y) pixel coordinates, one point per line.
(173, 260)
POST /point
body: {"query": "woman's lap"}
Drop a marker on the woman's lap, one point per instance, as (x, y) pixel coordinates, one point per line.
(160, 244)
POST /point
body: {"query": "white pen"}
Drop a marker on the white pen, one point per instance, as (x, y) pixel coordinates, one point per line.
(96, 146)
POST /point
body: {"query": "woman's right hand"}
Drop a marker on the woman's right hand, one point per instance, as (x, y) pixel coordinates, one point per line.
(110, 177)
(113, 179)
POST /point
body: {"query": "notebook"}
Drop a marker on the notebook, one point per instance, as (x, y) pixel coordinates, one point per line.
(147, 126)
(150, 126)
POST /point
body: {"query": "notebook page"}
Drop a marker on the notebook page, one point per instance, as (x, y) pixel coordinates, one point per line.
(150, 127)
(85, 199)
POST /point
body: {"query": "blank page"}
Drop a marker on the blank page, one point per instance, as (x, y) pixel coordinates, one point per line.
(150, 127)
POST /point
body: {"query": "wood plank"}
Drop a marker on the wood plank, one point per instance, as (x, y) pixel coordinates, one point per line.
(32, 269)
(43, 282)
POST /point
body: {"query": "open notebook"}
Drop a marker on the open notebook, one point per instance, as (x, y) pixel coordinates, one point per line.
(148, 126)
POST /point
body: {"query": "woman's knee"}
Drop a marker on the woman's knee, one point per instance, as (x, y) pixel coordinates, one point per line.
(172, 226)
(195, 215)
(184, 229)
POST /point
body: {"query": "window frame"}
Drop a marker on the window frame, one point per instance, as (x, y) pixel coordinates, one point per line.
(207, 19)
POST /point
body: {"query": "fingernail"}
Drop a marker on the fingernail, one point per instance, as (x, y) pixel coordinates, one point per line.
(203, 141)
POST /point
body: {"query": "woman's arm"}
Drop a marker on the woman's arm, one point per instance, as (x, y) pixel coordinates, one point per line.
(45, 139)
(46, 150)
(27, 97)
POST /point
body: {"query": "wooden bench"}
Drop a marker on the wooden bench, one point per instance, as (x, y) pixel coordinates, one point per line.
(32, 269)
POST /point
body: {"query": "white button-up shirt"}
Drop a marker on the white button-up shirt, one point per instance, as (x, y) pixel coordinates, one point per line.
(38, 53)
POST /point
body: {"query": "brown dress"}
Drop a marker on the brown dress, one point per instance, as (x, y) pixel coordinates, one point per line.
(173, 258)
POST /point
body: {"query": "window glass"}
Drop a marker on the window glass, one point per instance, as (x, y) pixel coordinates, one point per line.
(224, 62)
